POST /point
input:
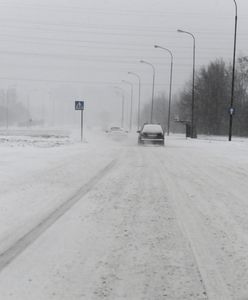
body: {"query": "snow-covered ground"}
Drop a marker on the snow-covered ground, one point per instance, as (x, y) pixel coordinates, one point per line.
(108, 219)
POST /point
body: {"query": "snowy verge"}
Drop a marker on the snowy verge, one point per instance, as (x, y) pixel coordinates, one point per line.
(35, 180)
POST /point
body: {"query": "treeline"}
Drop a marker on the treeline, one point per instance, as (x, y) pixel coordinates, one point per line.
(212, 98)
(12, 112)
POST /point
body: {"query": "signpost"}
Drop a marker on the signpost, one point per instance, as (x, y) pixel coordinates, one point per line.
(79, 105)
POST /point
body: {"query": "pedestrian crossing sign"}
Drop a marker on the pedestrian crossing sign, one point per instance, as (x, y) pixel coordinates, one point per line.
(79, 105)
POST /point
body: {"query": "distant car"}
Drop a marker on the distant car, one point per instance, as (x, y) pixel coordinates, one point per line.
(115, 128)
(151, 133)
(116, 132)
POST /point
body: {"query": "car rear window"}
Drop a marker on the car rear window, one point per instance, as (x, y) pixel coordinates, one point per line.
(152, 128)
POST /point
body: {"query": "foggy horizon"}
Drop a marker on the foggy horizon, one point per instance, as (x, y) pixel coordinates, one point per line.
(88, 48)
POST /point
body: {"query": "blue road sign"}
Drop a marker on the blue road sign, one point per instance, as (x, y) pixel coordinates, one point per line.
(79, 105)
(231, 111)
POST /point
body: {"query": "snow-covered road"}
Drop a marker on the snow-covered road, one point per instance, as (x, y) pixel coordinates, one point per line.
(147, 222)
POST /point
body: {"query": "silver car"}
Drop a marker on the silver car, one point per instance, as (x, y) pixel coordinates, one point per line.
(151, 133)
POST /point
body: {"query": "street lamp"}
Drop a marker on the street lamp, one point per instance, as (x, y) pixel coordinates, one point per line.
(122, 105)
(30, 108)
(171, 72)
(231, 110)
(131, 104)
(193, 129)
(153, 82)
(52, 103)
(7, 109)
(137, 76)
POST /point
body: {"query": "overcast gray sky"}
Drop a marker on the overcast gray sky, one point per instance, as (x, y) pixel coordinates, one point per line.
(96, 42)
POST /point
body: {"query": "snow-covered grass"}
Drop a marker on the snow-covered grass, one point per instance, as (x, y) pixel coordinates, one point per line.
(40, 170)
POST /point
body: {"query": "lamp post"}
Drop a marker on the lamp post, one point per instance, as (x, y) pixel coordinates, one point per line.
(153, 83)
(231, 110)
(171, 72)
(131, 104)
(122, 105)
(52, 106)
(193, 127)
(7, 109)
(28, 111)
(137, 76)
(30, 107)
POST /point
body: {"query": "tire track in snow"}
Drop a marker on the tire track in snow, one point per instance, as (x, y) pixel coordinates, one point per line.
(211, 278)
(220, 222)
(22, 243)
(144, 258)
